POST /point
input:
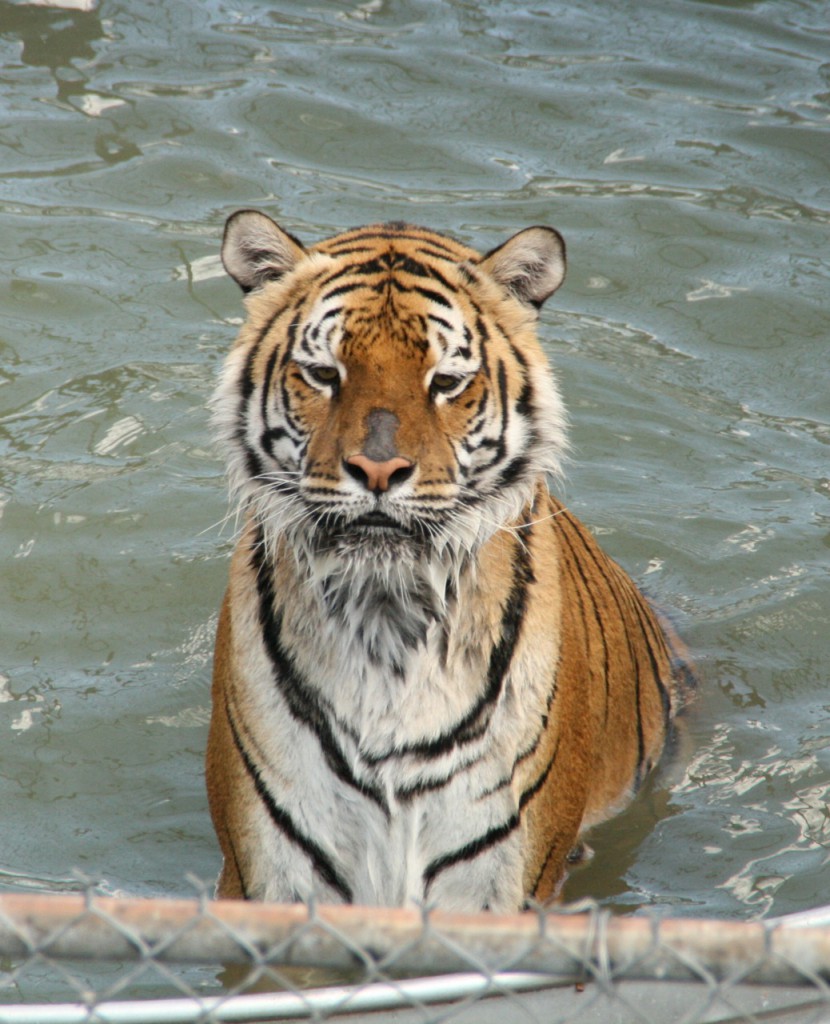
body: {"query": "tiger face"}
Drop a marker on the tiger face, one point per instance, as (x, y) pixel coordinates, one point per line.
(387, 400)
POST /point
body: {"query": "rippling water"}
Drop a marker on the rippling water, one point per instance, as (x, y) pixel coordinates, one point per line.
(682, 148)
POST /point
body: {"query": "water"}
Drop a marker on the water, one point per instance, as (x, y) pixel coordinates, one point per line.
(681, 147)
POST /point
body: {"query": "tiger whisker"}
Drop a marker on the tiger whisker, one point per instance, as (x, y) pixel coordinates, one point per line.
(232, 513)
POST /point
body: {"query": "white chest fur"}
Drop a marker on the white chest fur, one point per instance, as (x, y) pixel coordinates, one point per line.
(391, 770)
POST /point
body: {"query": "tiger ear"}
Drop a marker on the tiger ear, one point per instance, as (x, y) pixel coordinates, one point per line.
(255, 250)
(531, 264)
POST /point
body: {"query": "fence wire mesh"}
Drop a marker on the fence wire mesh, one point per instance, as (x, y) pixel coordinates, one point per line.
(87, 958)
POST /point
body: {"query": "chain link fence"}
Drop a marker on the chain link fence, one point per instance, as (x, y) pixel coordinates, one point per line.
(84, 958)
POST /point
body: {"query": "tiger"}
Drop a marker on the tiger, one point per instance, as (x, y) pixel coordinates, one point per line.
(429, 681)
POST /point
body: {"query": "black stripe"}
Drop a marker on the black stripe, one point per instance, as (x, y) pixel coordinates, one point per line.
(349, 250)
(402, 232)
(475, 723)
(247, 382)
(613, 590)
(507, 780)
(655, 635)
(432, 295)
(429, 785)
(524, 406)
(329, 286)
(545, 863)
(399, 262)
(470, 851)
(247, 386)
(253, 464)
(513, 470)
(407, 793)
(302, 702)
(382, 231)
(484, 338)
(517, 353)
(576, 570)
(643, 616)
(418, 269)
(531, 791)
(342, 289)
(622, 589)
(505, 408)
(285, 400)
(497, 445)
(376, 265)
(247, 378)
(321, 491)
(329, 313)
(266, 384)
(416, 789)
(466, 271)
(237, 866)
(272, 434)
(437, 252)
(283, 821)
(479, 415)
(409, 265)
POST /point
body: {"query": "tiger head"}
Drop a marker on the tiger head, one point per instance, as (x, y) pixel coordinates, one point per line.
(387, 398)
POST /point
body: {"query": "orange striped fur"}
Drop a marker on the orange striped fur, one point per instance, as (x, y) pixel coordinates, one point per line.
(429, 680)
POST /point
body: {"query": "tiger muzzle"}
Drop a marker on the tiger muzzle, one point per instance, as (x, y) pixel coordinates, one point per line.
(379, 476)
(379, 466)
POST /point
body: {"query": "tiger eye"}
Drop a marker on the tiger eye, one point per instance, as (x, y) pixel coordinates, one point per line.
(323, 374)
(444, 382)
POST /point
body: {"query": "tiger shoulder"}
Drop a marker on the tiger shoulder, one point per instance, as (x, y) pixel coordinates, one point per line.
(429, 680)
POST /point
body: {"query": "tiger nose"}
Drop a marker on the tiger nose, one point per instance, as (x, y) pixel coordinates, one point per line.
(379, 476)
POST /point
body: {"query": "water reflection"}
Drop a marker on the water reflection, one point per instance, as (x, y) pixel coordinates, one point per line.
(54, 38)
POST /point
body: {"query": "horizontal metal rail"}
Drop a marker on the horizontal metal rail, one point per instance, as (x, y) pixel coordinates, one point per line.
(397, 942)
(268, 1006)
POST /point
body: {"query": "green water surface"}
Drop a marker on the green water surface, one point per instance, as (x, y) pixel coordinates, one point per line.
(681, 146)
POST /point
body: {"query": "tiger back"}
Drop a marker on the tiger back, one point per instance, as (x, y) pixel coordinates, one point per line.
(429, 680)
